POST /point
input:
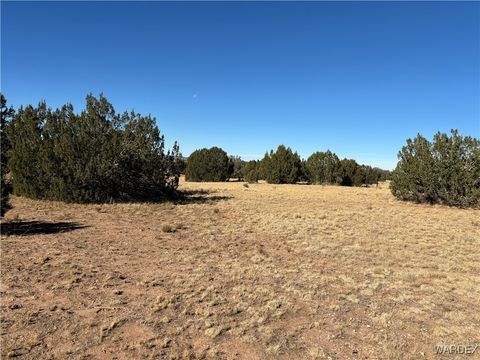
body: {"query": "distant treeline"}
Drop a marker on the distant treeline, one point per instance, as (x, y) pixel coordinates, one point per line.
(282, 166)
(99, 155)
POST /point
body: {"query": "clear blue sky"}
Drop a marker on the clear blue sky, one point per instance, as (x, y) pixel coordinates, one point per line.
(356, 78)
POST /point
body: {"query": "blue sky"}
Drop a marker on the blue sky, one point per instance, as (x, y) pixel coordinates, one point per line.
(356, 78)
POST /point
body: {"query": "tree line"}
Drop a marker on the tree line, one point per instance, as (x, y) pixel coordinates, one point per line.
(445, 171)
(282, 166)
(99, 155)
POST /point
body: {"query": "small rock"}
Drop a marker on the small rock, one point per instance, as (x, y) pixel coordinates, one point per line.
(213, 332)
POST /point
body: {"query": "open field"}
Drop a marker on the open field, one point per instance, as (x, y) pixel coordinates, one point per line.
(265, 271)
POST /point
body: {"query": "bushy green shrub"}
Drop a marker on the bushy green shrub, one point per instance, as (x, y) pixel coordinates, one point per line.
(208, 165)
(95, 156)
(446, 171)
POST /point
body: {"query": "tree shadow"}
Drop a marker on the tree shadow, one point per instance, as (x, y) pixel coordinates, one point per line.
(198, 197)
(27, 228)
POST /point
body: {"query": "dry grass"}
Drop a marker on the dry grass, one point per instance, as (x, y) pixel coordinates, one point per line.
(264, 271)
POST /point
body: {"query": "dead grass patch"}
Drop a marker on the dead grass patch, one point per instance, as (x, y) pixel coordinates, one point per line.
(279, 271)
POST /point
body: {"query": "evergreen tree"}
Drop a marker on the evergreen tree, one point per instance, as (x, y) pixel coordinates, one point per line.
(323, 167)
(263, 166)
(207, 165)
(95, 156)
(384, 175)
(252, 171)
(414, 178)
(282, 166)
(236, 168)
(7, 114)
(26, 162)
(372, 175)
(348, 168)
(303, 174)
(446, 171)
(457, 163)
(359, 176)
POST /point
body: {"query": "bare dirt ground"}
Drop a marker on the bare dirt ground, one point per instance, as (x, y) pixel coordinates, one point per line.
(258, 272)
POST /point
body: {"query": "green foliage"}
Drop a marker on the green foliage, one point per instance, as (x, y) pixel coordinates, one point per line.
(281, 167)
(348, 170)
(181, 164)
(236, 168)
(7, 114)
(323, 168)
(96, 156)
(284, 166)
(446, 171)
(251, 171)
(5, 204)
(374, 175)
(208, 165)
(326, 168)
(384, 175)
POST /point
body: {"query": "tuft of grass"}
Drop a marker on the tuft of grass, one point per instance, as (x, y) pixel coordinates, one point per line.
(168, 228)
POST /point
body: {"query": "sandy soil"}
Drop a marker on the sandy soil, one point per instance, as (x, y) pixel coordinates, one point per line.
(264, 271)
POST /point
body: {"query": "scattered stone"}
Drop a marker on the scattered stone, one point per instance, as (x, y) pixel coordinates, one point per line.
(215, 331)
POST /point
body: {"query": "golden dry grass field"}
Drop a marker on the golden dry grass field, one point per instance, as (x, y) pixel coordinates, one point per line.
(258, 272)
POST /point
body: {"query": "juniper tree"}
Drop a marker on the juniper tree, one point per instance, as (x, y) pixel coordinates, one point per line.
(323, 167)
(26, 162)
(95, 156)
(414, 178)
(207, 165)
(236, 168)
(252, 171)
(457, 162)
(282, 166)
(346, 172)
(446, 171)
